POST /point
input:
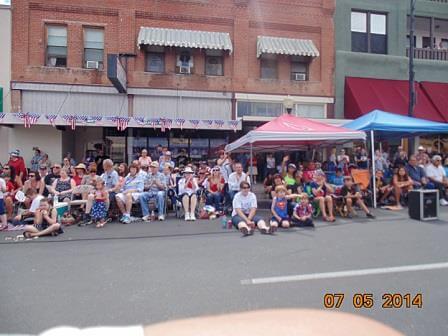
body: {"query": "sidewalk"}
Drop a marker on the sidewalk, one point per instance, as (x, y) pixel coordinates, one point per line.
(173, 227)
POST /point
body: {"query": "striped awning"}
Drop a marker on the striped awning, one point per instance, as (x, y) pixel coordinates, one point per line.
(285, 46)
(184, 38)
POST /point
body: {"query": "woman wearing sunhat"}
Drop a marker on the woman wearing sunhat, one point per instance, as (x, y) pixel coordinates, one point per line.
(80, 172)
(188, 185)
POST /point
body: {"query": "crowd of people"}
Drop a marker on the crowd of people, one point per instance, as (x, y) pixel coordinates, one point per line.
(154, 183)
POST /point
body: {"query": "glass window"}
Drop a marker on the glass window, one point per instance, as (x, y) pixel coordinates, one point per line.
(268, 67)
(199, 148)
(369, 32)
(214, 61)
(299, 68)
(184, 62)
(56, 46)
(93, 48)
(359, 22)
(310, 111)
(155, 62)
(378, 24)
(260, 109)
(444, 44)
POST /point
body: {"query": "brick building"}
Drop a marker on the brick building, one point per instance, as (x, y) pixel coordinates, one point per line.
(185, 60)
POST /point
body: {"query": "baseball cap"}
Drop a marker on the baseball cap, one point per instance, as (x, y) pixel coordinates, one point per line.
(154, 164)
(188, 170)
(15, 153)
(421, 148)
(168, 153)
(292, 165)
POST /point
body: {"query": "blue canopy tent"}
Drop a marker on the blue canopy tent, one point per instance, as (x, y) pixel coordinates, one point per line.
(384, 125)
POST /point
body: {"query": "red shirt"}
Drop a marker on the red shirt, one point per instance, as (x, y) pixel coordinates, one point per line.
(19, 167)
(214, 186)
(77, 180)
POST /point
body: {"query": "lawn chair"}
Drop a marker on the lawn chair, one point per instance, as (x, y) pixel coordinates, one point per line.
(361, 177)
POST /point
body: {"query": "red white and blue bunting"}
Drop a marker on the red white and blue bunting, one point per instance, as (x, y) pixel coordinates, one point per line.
(120, 122)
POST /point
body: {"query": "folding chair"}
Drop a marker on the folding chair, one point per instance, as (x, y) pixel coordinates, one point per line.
(361, 177)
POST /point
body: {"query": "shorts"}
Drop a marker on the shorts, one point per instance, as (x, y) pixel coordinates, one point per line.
(135, 196)
(273, 219)
(2, 207)
(237, 219)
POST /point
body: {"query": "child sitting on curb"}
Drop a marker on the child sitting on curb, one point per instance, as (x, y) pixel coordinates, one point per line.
(303, 212)
(279, 207)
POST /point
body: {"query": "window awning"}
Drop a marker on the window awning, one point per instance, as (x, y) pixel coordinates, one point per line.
(285, 46)
(438, 93)
(184, 38)
(363, 95)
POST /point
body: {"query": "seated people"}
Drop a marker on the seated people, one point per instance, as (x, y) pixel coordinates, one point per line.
(34, 202)
(352, 195)
(62, 187)
(268, 182)
(215, 188)
(3, 221)
(154, 188)
(402, 184)
(9, 195)
(34, 182)
(278, 181)
(436, 175)
(303, 212)
(244, 214)
(416, 173)
(236, 178)
(170, 180)
(129, 192)
(383, 189)
(296, 188)
(45, 222)
(279, 208)
(338, 179)
(188, 186)
(322, 195)
(80, 172)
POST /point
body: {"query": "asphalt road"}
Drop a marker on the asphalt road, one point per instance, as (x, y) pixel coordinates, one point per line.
(145, 273)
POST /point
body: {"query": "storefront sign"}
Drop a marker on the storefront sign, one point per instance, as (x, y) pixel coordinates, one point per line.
(116, 73)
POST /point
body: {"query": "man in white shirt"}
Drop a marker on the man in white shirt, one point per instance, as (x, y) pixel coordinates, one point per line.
(437, 176)
(244, 214)
(236, 178)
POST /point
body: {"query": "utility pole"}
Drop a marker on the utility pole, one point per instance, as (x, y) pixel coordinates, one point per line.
(411, 142)
(411, 61)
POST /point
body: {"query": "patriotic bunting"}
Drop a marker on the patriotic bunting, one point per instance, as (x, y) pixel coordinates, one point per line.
(121, 122)
(219, 123)
(180, 122)
(28, 118)
(2, 115)
(154, 122)
(169, 123)
(51, 119)
(194, 123)
(70, 120)
(208, 123)
(234, 124)
(140, 120)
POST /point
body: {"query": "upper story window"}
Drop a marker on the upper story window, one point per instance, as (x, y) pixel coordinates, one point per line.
(184, 62)
(268, 66)
(369, 32)
(56, 46)
(155, 59)
(299, 68)
(93, 48)
(214, 63)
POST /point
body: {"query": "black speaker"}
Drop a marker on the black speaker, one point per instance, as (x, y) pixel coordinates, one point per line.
(424, 204)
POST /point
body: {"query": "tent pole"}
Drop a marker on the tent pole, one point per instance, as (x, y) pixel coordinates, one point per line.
(251, 167)
(372, 142)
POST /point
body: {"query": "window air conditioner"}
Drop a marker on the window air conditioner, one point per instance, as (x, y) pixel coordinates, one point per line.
(92, 65)
(299, 77)
(184, 69)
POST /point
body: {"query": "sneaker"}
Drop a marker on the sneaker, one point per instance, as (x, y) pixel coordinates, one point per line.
(192, 217)
(161, 218)
(126, 220)
(146, 218)
(369, 215)
(264, 231)
(245, 231)
(122, 218)
(187, 216)
(443, 202)
(272, 229)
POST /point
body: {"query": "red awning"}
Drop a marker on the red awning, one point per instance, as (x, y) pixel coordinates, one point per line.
(438, 93)
(363, 95)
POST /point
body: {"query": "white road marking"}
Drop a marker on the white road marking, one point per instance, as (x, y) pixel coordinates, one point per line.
(343, 274)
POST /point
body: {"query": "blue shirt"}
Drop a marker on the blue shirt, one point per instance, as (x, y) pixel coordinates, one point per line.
(281, 207)
(133, 182)
(110, 179)
(415, 173)
(149, 183)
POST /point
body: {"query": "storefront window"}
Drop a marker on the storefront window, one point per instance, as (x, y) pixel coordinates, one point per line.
(199, 149)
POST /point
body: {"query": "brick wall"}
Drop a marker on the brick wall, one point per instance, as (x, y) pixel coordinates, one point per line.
(243, 19)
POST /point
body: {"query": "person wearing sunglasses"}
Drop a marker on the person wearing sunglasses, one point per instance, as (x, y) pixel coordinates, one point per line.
(34, 182)
(51, 177)
(244, 214)
(436, 174)
(215, 188)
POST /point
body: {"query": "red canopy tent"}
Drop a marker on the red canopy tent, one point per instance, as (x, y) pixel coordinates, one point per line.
(289, 132)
